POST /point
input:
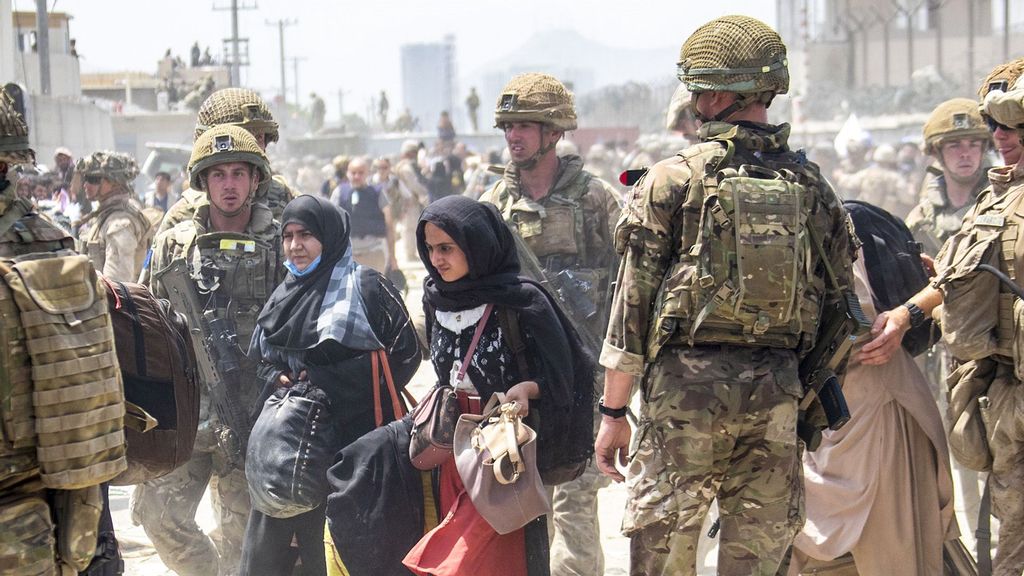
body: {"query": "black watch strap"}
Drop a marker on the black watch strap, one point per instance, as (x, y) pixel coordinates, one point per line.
(612, 412)
(916, 314)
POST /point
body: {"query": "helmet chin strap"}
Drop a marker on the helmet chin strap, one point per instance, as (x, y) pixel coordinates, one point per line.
(531, 162)
(741, 102)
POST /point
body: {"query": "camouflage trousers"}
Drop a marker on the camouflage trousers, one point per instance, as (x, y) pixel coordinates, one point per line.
(574, 527)
(1004, 422)
(166, 509)
(716, 422)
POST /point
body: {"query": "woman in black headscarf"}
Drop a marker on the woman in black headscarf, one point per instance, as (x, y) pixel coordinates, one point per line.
(321, 326)
(471, 259)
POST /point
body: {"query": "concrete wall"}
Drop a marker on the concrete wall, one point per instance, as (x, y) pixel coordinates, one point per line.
(132, 131)
(7, 43)
(81, 126)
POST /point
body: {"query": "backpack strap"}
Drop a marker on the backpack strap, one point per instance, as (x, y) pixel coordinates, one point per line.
(509, 323)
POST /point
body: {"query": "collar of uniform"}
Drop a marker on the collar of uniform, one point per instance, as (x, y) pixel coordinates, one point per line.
(1003, 177)
(261, 221)
(569, 168)
(754, 136)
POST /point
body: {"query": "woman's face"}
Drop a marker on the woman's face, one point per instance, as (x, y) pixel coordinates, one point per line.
(300, 246)
(445, 255)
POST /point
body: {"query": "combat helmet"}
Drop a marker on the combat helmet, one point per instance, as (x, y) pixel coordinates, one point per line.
(1001, 78)
(237, 107)
(14, 147)
(952, 120)
(223, 144)
(736, 54)
(119, 168)
(535, 97)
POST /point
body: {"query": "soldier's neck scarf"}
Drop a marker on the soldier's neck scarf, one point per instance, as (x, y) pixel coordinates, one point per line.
(324, 304)
(493, 278)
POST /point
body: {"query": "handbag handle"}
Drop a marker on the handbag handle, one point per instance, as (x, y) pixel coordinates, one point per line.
(379, 358)
(511, 422)
(476, 340)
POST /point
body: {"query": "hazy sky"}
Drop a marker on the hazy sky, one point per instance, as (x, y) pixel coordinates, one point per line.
(355, 45)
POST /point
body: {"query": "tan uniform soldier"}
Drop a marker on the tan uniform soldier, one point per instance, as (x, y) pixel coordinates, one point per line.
(218, 268)
(706, 315)
(117, 234)
(565, 217)
(981, 327)
(957, 138)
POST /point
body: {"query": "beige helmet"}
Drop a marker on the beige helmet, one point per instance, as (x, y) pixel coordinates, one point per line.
(1002, 77)
(14, 148)
(117, 167)
(952, 120)
(535, 97)
(237, 107)
(736, 54)
(223, 144)
(884, 154)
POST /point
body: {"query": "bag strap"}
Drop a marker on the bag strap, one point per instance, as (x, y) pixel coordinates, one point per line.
(378, 359)
(509, 322)
(476, 340)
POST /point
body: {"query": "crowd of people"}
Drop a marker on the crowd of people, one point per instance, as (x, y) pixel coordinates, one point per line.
(759, 342)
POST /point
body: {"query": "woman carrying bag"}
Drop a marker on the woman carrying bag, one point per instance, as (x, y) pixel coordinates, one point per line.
(472, 292)
(334, 326)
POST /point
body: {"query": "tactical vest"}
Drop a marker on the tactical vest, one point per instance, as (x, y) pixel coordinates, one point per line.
(744, 261)
(555, 230)
(61, 402)
(972, 327)
(236, 273)
(554, 227)
(935, 220)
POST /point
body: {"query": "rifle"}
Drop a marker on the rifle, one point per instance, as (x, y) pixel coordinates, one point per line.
(842, 322)
(217, 357)
(568, 291)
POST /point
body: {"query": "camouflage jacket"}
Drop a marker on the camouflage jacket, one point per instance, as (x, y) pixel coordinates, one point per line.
(934, 219)
(571, 228)
(549, 225)
(651, 237)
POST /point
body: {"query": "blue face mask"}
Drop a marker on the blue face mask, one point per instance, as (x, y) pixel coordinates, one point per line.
(299, 274)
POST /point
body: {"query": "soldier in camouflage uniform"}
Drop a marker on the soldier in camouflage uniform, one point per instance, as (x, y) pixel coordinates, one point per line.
(718, 369)
(117, 234)
(236, 107)
(230, 248)
(565, 217)
(957, 138)
(35, 541)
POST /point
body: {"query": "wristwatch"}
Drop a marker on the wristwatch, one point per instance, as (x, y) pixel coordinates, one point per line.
(916, 314)
(613, 412)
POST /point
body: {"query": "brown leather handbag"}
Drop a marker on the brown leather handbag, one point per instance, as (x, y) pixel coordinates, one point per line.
(496, 456)
(434, 418)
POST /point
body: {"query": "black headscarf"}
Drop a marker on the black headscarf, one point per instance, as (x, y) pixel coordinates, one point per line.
(289, 318)
(493, 278)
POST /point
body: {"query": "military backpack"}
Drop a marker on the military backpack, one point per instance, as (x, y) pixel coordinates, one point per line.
(160, 386)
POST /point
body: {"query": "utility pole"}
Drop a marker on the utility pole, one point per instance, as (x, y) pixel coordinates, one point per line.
(1006, 30)
(234, 41)
(970, 40)
(909, 12)
(295, 76)
(43, 46)
(281, 24)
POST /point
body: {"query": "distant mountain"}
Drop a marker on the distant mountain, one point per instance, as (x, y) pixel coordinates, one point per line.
(593, 63)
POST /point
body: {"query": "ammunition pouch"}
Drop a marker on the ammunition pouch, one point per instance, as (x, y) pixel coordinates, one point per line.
(967, 387)
(28, 537)
(77, 514)
(77, 395)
